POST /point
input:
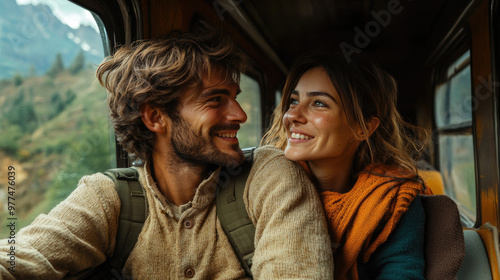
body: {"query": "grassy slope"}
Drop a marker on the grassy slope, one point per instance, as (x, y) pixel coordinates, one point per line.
(54, 151)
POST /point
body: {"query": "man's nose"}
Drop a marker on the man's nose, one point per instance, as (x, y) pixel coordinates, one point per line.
(236, 113)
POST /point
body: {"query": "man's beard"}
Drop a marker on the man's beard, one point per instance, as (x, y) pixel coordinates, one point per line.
(198, 149)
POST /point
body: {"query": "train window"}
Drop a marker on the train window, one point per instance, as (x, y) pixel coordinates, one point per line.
(277, 97)
(453, 111)
(251, 131)
(53, 114)
(453, 97)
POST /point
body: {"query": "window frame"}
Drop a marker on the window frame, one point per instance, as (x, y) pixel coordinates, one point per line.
(455, 48)
(122, 20)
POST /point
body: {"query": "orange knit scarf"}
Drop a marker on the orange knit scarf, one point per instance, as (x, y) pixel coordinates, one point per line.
(361, 220)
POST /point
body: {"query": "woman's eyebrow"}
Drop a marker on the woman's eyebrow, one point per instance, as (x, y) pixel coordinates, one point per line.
(315, 93)
(318, 93)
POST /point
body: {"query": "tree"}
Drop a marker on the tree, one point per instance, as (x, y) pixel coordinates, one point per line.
(55, 98)
(9, 142)
(70, 96)
(78, 63)
(18, 79)
(24, 116)
(57, 104)
(57, 67)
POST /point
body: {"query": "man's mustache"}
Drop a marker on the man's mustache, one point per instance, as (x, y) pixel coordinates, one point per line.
(222, 127)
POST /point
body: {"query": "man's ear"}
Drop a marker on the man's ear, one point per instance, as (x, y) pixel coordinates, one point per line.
(153, 119)
(371, 126)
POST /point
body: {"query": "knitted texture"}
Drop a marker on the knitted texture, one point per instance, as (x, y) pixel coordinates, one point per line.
(361, 220)
(444, 238)
(402, 255)
(80, 232)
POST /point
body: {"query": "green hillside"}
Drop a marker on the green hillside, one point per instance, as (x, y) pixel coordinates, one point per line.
(54, 130)
(31, 37)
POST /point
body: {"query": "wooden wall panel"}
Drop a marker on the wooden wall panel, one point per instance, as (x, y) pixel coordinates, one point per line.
(484, 116)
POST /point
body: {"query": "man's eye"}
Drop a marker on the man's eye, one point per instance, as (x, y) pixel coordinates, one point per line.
(214, 99)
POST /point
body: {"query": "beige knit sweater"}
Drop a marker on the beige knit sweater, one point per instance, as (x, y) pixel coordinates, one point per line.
(291, 240)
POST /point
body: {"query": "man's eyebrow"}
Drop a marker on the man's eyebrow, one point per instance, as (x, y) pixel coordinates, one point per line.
(216, 91)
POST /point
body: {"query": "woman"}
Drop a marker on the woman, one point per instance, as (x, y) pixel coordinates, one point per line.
(339, 120)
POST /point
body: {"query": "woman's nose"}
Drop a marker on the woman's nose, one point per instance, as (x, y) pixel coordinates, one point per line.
(295, 114)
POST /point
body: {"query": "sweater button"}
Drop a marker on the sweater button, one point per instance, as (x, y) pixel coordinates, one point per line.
(188, 224)
(189, 272)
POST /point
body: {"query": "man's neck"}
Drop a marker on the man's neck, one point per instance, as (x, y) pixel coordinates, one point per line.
(177, 180)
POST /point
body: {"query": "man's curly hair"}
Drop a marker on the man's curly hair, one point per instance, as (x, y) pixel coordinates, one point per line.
(157, 72)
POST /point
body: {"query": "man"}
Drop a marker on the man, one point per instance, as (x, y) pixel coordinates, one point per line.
(173, 104)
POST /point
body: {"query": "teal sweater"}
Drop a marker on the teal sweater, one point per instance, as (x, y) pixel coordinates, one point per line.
(402, 255)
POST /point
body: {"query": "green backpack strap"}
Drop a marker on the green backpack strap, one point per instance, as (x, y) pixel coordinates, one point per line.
(133, 213)
(232, 213)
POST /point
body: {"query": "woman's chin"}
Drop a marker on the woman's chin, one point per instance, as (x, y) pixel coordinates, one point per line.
(294, 155)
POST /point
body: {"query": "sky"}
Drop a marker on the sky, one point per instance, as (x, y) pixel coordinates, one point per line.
(67, 12)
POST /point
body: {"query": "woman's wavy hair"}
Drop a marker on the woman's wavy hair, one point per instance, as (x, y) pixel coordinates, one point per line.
(365, 91)
(156, 72)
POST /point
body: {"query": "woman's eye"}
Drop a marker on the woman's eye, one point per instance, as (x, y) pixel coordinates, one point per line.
(318, 103)
(293, 101)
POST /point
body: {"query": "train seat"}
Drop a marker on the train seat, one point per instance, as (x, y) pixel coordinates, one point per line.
(481, 254)
(434, 180)
(432, 177)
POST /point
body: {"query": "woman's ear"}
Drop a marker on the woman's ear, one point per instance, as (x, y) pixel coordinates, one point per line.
(153, 118)
(371, 125)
